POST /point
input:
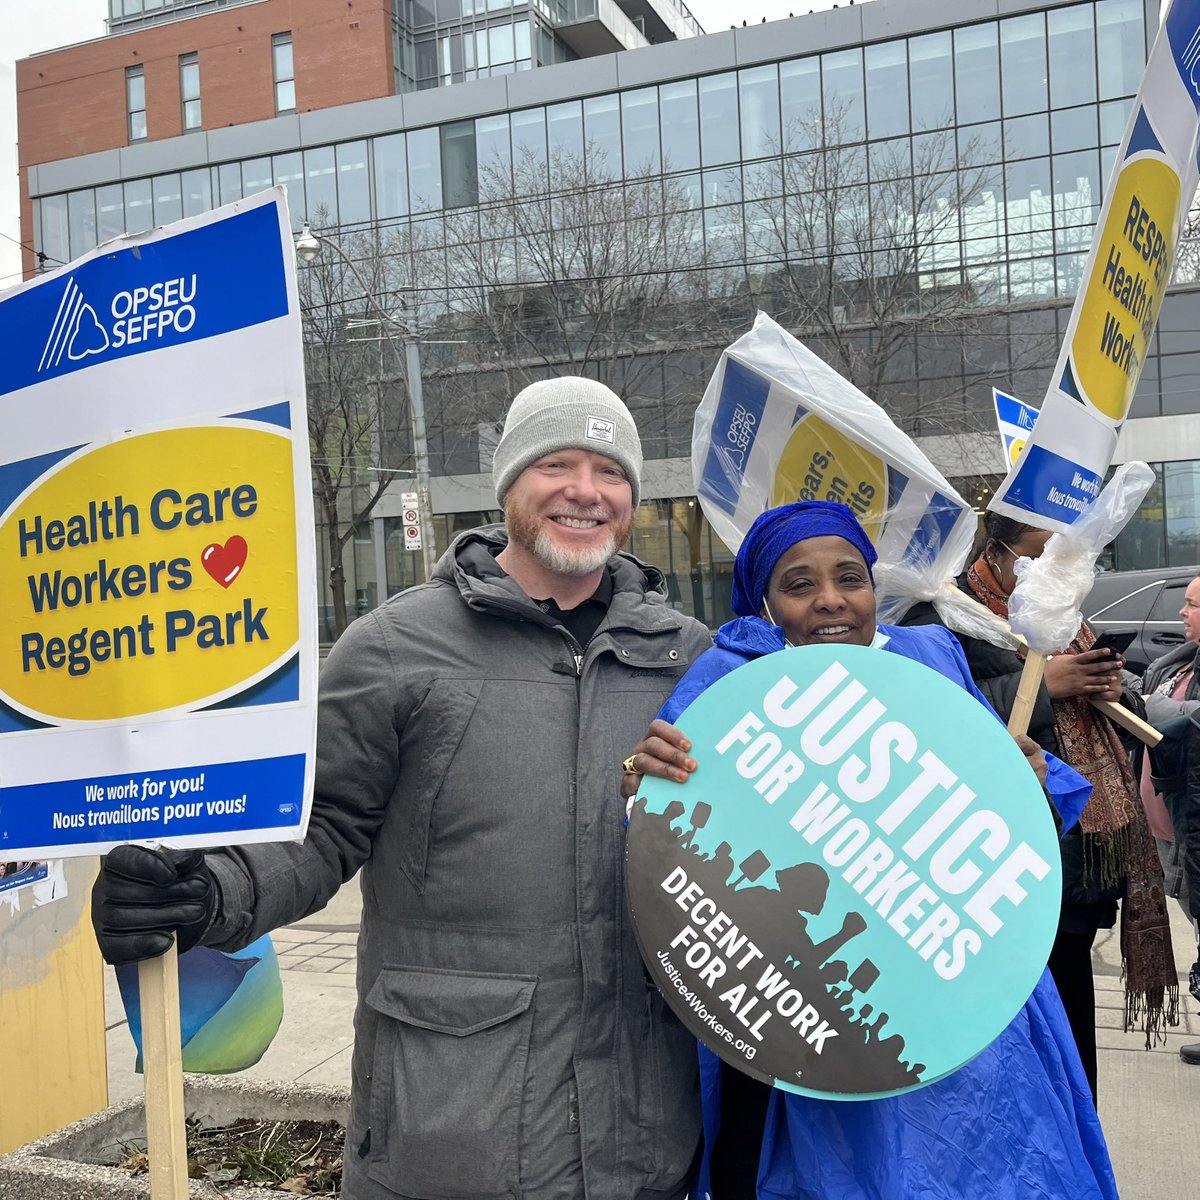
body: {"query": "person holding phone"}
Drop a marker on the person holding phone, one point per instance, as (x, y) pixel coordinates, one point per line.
(1115, 643)
(1109, 859)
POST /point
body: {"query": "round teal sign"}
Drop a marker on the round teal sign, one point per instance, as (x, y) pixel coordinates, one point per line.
(859, 886)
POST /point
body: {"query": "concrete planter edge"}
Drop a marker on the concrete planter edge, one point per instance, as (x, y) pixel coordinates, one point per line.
(68, 1164)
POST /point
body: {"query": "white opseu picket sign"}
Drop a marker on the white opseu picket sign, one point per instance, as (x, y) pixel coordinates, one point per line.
(158, 661)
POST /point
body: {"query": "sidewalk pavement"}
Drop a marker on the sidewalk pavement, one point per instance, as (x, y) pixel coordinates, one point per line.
(1148, 1098)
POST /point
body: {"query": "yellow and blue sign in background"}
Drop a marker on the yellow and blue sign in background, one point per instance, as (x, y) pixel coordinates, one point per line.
(157, 588)
(1015, 422)
(1062, 466)
(858, 888)
(777, 424)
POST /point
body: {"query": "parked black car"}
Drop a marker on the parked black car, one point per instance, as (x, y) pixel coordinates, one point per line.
(1146, 602)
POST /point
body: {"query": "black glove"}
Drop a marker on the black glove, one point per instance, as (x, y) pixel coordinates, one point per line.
(145, 898)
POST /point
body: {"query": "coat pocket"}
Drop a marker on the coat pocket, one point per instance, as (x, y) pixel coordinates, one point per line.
(449, 1071)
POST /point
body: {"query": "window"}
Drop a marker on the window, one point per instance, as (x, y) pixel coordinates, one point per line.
(1072, 42)
(977, 73)
(887, 90)
(139, 213)
(529, 150)
(1169, 602)
(135, 102)
(189, 90)
(354, 190)
(758, 90)
(425, 170)
(285, 74)
(639, 131)
(680, 119)
(1132, 607)
(110, 212)
(602, 138)
(719, 119)
(391, 177)
(493, 154)
(197, 191)
(564, 142)
(229, 182)
(1023, 64)
(460, 173)
(287, 170)
(1181, 489)
(843, 88)
(1120, 47)
(320, 171)
(800, 96)
(81, 221)
(168, 199)
(931, 79)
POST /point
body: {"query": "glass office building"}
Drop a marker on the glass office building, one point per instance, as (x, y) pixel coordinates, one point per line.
(625, 215)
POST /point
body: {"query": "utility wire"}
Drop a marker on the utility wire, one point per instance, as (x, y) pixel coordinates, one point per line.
(23, 245)
(42, 257)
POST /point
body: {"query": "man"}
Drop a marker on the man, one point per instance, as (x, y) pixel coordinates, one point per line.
(1171, 690)
(468, 759)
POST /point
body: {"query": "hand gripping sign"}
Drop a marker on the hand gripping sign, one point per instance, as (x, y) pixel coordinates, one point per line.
(858, 888)
(1063, 464)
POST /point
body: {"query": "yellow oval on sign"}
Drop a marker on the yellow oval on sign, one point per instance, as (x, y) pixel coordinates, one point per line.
(820, 462)
(150, 574)
(1124, 293)
(1014, 451)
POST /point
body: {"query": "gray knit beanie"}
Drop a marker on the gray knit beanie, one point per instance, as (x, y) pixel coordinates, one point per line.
(567, 413)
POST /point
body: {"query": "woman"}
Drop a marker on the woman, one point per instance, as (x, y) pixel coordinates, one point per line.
(1110, 854)
(1017, 1121)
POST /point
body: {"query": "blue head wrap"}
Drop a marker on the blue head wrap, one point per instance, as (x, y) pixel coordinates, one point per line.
(776, 531)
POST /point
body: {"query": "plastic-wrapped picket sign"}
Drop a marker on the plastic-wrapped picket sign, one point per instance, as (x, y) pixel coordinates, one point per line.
(777, 424)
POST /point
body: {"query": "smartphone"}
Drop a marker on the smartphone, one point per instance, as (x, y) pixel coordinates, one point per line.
(1118, 643)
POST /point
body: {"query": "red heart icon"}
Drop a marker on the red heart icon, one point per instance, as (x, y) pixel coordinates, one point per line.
(225, 563)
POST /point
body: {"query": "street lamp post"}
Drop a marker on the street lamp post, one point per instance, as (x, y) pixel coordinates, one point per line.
(308, 248)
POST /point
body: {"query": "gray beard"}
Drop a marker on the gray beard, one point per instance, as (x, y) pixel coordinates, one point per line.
(572, 563)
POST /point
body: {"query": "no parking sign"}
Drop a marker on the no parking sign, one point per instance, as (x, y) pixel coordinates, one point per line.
(411, 516)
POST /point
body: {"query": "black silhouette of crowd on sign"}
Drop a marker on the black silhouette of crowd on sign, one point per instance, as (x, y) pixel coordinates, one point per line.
(861, 1055)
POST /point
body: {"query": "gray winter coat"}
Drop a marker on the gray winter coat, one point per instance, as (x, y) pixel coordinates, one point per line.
(507, 1042)
(1173, 776)
(1163, 708)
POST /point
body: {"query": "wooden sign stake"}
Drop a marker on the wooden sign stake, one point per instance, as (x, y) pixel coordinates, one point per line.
(162, 1065)
(1027, 690)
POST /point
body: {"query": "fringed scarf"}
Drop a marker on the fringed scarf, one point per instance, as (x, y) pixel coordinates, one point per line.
(1116, 839)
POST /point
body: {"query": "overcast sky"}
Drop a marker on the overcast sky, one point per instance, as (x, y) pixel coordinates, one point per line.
(28, 28)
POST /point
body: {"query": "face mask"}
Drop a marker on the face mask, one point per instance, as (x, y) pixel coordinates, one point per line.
(770, 617)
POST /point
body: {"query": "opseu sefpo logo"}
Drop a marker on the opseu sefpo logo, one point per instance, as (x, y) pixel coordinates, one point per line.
(140, 314)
